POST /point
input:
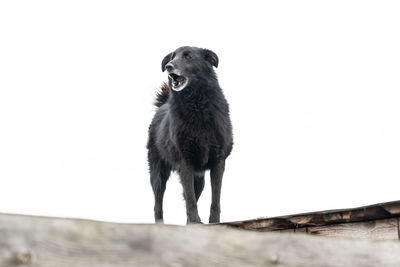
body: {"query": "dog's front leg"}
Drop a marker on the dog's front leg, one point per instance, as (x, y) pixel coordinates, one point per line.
(216, 174)
(187, 179)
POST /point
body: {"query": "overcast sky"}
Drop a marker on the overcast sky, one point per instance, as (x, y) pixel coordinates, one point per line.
(313, 86)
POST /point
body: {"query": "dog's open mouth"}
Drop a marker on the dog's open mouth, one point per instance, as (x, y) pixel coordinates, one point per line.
(178, 82)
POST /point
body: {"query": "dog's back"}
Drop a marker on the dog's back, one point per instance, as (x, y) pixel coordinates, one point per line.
(191, 131)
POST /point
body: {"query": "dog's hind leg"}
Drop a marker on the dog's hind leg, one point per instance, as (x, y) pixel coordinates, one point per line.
(159, 174)
(217, 171)
(198, 185)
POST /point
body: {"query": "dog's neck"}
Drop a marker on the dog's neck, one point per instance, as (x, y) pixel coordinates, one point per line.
(194, 102)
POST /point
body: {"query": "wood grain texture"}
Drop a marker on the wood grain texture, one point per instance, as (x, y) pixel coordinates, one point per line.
(51, 242)
(302, 230)
(377, 230)
(380, 211)
(286, 231)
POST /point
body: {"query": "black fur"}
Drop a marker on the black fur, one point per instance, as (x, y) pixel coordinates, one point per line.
(162, 95)
(191, 131)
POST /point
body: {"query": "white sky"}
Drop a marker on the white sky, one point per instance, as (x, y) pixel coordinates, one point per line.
(314, 90)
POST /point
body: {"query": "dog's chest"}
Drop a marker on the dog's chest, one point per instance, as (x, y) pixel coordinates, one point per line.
(200, 147)
(198, 135)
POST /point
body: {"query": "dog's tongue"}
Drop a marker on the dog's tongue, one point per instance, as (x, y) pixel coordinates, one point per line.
(179, 79)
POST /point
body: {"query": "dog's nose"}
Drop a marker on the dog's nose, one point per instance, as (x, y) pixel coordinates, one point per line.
(169, 67)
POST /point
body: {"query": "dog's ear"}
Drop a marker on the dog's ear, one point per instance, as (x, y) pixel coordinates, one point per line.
(166, 59)
(211, 57)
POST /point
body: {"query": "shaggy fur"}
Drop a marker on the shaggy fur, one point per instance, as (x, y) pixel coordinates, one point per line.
(191, 130)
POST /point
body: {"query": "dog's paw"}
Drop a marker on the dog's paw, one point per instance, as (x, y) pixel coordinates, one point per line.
(193, 221)
(214, 219)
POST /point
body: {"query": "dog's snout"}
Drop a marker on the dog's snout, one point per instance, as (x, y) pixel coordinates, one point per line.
(169, 67)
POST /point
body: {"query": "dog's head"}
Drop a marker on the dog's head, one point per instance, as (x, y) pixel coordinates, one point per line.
(186, 64)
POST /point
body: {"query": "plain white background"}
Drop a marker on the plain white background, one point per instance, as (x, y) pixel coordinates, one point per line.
(313, 86)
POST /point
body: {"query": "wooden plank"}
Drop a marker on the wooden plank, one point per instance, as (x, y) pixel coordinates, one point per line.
(321, 218)
(378, 230)
(392, 207)
(302, 230)
(287, 231)
(51, 242)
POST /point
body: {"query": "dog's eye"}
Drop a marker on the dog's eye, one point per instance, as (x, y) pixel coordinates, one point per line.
(188, 57)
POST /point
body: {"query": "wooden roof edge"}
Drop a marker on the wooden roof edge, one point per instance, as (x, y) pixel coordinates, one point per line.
(365, 213)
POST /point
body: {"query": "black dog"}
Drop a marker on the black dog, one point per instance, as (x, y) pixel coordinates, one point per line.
(191, 131)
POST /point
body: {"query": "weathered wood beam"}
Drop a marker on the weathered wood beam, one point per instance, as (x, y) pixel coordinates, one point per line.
(51, 242)
(376, 212)
(386, 229)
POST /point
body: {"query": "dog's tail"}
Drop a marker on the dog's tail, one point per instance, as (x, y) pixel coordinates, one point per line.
(162, 95)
